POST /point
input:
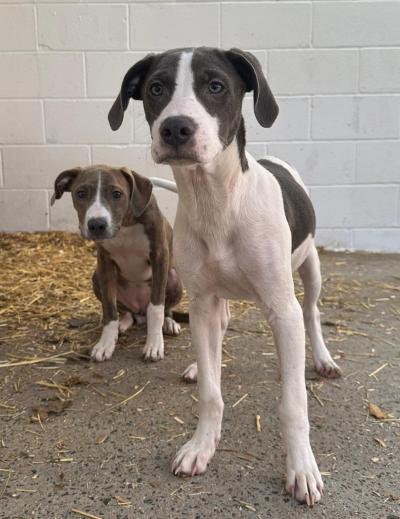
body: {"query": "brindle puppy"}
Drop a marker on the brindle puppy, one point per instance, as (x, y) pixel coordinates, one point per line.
(135, 269)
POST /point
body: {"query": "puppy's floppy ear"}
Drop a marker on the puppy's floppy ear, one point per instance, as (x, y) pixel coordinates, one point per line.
(141, 189)
(248, 67)
(131, 87)
(63, 183)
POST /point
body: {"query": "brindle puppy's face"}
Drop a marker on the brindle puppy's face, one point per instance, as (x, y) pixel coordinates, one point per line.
(105, 198)
(101, 199)
(192, 100)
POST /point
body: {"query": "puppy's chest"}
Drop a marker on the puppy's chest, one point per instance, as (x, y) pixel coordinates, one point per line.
(130, 250)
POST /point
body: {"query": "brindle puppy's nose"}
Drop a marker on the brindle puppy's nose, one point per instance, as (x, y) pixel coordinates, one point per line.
(97, 226)
(176, 131)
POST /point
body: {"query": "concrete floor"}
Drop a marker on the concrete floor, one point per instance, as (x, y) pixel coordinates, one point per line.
(114, 462)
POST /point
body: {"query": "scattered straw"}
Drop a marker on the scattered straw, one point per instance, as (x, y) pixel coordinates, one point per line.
(240, 400)
(378, 370)
(85, 514)
(258, 423)
(126, 399)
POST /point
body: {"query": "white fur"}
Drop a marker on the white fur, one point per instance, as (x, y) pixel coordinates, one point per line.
(154, 347)
(97, 209)
(104, 349)
(185, 102)
(232, 240)
(125, 322)
(171, 327)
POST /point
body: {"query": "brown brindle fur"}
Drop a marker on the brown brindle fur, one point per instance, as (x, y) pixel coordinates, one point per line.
(137, 205)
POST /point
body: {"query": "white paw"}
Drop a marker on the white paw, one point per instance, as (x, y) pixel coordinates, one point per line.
(140, 319)
(190, 373)
(105, 347)
(326, 366)
(154, 347)
(193, 457)
(126, 322)
(304, 480)
(171, 327)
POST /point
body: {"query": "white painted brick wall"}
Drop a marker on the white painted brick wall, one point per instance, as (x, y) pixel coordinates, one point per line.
(334, 66)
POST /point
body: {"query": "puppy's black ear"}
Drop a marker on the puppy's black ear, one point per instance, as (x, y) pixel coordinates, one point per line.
(131, 87)
(63, 183)
(141, 189)
(248, 67)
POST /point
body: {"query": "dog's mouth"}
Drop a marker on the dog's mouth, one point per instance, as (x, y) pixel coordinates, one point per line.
(175, 155)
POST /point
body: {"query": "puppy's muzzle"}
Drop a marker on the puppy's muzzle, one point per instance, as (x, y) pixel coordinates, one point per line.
(177, 131)
(98, 228)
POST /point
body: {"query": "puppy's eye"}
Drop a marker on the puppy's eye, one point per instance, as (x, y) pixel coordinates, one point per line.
(81, 193)
(156, 89)
(215, 87)
(116, 194)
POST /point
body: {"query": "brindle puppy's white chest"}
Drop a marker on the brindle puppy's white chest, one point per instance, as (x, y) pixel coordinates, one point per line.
(130, 250)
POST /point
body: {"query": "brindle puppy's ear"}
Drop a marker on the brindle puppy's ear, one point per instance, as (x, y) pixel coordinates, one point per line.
(131, 87)
(141, 189)
(64, 182)
(248, 67)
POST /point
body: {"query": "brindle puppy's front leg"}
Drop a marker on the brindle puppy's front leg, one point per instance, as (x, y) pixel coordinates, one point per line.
(106, 279)
(154, 347)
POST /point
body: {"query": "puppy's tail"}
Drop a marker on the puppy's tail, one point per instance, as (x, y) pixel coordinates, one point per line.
(180, 317)
(166, 184)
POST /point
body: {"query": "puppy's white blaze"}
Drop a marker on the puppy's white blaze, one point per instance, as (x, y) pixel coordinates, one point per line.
(185, 103)
(97, 209)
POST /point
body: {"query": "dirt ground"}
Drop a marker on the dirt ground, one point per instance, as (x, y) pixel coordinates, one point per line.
(112, 460)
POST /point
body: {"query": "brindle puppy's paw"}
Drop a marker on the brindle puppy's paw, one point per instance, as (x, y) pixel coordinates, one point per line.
(105, 347)
(171, 327)
(154, 348)
(126, 322)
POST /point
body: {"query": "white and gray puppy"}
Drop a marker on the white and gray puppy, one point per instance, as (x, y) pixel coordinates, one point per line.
(242, 228)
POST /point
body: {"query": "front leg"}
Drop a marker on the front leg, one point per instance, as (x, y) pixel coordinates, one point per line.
(304, 481)
(154, 347)
(206, 316)
(105, 287)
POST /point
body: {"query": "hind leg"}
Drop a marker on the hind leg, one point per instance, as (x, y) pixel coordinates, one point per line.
(173, 294)
(310, 274)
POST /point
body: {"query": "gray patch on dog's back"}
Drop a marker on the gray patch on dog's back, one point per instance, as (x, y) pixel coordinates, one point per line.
(299, 210)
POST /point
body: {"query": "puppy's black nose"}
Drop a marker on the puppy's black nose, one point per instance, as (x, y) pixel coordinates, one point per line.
(97, 226)
(176, 131)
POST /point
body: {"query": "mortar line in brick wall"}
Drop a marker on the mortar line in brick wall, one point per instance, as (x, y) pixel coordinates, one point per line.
(1, 170)
(309, 115)
(44, 129)
(85, 81)
(128, 32)
(311, 40)
(219, 24)
(278, 97)
(48, 209)
(392, 185)
(36, 25)
(355, 163)
(358, 71)
(148, 50)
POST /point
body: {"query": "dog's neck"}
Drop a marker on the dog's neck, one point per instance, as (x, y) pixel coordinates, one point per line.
(210, 194)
